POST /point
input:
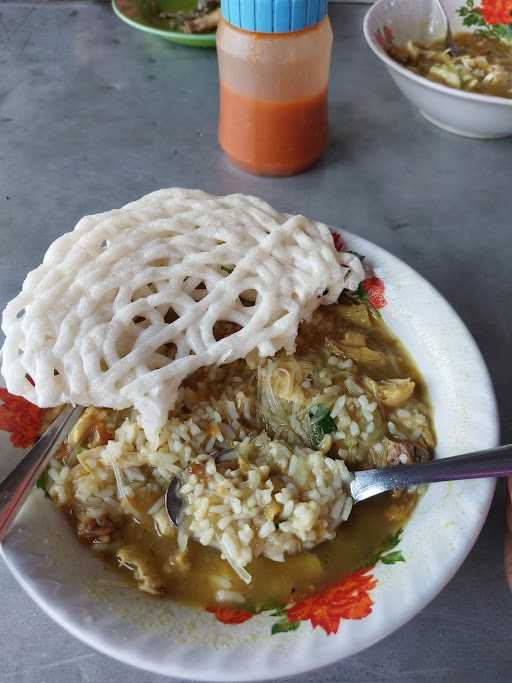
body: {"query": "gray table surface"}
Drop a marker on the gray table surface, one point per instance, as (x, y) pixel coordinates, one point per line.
(93, 114)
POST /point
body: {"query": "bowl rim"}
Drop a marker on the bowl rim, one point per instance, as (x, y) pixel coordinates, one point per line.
(94, 640)
(422, 80)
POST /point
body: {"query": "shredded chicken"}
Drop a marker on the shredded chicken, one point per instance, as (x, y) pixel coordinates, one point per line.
(203, 24)
(93, 426)
(388, 453)
(391, 392)
(89, 530)
(144, 571)
(359, 354)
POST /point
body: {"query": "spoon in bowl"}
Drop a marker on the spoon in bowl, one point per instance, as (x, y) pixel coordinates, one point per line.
(494, 462)
(448, 38)
(14, 489)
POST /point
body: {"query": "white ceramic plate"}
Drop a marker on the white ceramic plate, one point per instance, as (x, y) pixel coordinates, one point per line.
(457, 111)
(82, 595)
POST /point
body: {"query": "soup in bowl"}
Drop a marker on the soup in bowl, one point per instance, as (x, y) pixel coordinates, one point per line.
(465, 89)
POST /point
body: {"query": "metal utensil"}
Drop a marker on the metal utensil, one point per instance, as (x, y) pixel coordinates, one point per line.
(495, 462)
(15, 488)
(448, 38)
(174, 503)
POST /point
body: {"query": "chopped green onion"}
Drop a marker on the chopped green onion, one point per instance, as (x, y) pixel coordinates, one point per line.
(321, 423)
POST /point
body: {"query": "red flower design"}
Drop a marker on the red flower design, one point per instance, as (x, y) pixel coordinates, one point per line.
(374, 288)
(339, 244)
(347, 599)
(388, 34)
(384, 37)
(497, 11)
(230, 615)
(20, 417)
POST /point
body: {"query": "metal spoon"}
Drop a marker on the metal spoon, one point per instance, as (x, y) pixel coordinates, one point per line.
(448, 38)
(495, 462)
(15, 488)
(174, 503)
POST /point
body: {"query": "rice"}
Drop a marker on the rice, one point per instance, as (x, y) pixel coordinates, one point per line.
(276, 497)
(299, 516)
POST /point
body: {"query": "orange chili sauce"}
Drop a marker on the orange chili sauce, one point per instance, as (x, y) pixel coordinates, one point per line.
(272, 137)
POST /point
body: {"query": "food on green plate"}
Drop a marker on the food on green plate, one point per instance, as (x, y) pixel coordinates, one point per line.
(190, 323)
(203, 19)
(479, 64)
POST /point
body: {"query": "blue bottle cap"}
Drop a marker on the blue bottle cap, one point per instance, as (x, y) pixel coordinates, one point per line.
(273, 16)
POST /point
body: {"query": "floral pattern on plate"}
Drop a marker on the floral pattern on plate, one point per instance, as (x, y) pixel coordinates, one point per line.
(348, 598)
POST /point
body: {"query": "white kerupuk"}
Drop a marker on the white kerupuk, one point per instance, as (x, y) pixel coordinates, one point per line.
(96, 322)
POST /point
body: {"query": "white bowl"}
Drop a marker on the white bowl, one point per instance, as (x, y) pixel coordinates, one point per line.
(464, 113)
(81, 594)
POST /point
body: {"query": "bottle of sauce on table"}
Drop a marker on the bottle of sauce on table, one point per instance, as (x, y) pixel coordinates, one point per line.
(274, 58)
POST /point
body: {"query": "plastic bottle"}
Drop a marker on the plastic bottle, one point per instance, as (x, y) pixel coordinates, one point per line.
(274, 58)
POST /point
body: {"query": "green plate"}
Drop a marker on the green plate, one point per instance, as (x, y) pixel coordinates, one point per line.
(143, 14)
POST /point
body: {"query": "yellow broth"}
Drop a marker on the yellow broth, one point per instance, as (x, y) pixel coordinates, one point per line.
(369, 526)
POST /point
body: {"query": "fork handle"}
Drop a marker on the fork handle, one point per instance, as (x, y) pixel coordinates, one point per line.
(15, 488)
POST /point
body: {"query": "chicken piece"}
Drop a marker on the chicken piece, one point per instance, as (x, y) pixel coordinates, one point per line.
(359, 354)
(356, 314)
(273, 509)
(64, 453)
(203, 24)
(92, 426)
(144, 571)
(365, 356)
(92, 532)
(388, 453)
(280, 396)
(391, 392)
(427, 439)
(399, 452)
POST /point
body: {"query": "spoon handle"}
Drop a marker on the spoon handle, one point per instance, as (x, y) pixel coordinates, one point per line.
(495, 462)
(15, 488)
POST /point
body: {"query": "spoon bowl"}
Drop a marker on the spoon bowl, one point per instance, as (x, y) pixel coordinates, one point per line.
(445, 19)
(174, 503)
